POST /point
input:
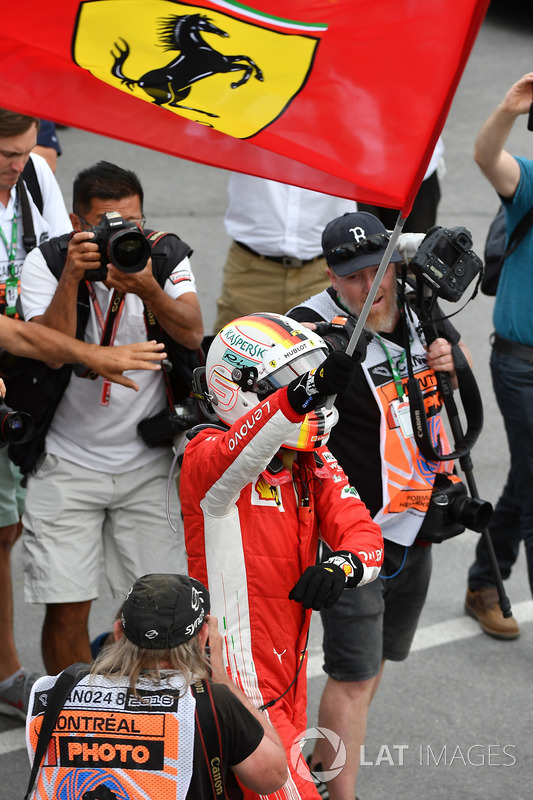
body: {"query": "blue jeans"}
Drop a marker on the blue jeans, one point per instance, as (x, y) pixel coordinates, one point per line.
(512, 380)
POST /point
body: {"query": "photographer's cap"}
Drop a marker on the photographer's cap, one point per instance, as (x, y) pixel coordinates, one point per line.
(162, 611)
(355, 241)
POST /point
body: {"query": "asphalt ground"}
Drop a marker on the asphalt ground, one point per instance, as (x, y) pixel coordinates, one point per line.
(453, 720)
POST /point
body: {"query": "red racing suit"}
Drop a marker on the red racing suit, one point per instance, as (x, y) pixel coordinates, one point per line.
(249, 535)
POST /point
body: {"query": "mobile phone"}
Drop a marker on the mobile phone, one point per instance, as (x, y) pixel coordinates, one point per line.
(530, 118)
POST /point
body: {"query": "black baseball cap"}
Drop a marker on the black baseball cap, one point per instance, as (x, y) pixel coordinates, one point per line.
(162, 611)
(355, 241)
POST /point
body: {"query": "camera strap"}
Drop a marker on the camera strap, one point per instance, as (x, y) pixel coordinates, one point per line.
(470, 399)
(209, 735)
(29, 240)
(108, 325)
(57, 697)
(153, 331)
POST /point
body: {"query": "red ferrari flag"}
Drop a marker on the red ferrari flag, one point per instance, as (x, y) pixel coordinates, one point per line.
(346, 97)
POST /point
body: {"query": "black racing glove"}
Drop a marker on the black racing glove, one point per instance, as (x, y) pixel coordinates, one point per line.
(306, 391)
(321, 585)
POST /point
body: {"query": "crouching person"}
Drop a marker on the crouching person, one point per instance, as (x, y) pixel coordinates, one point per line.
(148, 721)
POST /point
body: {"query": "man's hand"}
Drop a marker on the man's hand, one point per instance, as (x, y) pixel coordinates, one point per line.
(141, 283)
(111, 362)
(321, 585)
(82, 254)
(519, 97)
(440, 358)
(216, 657)
(180, 317)
(331, 377)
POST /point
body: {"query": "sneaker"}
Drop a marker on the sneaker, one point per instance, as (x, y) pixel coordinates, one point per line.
(483, 605)
(14, 699)
(321, 787)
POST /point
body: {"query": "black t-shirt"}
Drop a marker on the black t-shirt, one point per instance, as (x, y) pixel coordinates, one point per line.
(354, 441)
(240, 732)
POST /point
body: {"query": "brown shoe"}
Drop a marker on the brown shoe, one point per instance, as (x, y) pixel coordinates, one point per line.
(483, 605)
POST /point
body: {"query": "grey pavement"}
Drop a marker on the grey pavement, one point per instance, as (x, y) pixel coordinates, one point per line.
(454, 720)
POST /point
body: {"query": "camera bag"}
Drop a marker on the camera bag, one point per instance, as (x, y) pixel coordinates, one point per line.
(495, 250)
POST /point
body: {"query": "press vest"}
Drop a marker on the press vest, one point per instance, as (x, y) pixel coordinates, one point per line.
(407, 478)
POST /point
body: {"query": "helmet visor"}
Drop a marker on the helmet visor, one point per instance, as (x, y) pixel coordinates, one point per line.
(298, 366)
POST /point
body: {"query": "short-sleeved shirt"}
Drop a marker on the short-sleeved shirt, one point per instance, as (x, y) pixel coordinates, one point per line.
(53, 221)
(512, 309)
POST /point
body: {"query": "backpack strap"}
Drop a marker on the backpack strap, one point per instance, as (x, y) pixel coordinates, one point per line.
(55, 255)
(518, 233)
(167, 252)
(29, 176)
(29, 240)
(210, 738)
(57, 697)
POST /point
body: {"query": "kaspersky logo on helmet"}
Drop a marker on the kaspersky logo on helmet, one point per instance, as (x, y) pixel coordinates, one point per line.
(237, 341)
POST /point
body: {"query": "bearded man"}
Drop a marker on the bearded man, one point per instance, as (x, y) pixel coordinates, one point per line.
(374, 444)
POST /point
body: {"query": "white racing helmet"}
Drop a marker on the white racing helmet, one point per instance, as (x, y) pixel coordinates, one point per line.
(254, 356)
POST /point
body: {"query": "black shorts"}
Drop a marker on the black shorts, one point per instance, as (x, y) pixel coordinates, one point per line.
(377, 621)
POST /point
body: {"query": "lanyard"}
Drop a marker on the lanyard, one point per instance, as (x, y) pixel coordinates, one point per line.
(394, 369)
(108, 326)
(12, 251)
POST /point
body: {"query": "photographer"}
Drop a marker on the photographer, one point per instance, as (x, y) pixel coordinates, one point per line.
(157, 687)
(100, 490)
(374, 444)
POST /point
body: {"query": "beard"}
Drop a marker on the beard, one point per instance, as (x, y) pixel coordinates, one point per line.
(382, 318)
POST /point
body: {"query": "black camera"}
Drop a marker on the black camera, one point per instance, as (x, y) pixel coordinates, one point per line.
(16, 427)
(164, 426)
(451, 510)
(446, 262)
(120, 242)
(337, 335)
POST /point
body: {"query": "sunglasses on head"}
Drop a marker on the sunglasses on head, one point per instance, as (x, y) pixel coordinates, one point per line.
(345, 252)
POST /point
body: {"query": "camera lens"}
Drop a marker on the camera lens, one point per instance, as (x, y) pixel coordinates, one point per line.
(15, 427)
(129, 250)
(473, 513)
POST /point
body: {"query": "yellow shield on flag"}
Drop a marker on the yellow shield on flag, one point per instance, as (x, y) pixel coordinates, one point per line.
(235, 73)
